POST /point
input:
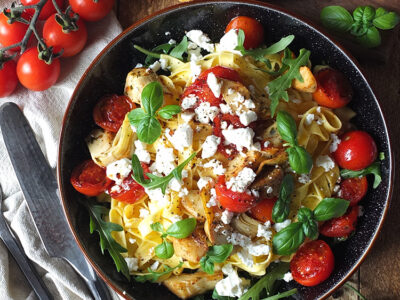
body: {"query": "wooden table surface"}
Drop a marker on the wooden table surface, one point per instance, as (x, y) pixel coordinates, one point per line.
(379, 275)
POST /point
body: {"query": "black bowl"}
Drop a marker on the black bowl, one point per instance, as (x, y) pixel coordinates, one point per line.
(107, 73)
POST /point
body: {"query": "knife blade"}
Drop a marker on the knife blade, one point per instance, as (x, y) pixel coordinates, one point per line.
(40, 189)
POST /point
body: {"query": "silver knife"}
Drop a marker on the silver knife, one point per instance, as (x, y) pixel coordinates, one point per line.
(40, 189)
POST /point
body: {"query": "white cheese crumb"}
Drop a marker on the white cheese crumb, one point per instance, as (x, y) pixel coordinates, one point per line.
(304, 178)
(119, 170)
(195, 69)
(187, 116)
(155, 265)
(266, 144)
(335, 143)
(175, 184)
(240, 183)
(259, 249)
(183, 192)
(141, 152)
(249, 104)
(264, 230)
(205, 113)
(172, 42)
(214, 84)
(279, 226)
(229, 41)
(175, 218)
(225, 109)
(269, 190)
(231, 286)
(158, 197)
(288, 277)
(165, 160)
(182, 138)
(155, 66)
(240, 137)
(309, 119)
(143, 213)
(326, 162)
(131, 240)
(139, 65)
(319, 109)
(200, 39)
(239, 239)
(210, 146)
(132, 263)
(194, 52)
(189, 101)
(167, 33)
(164, 64)
(217, 166)
(224, 125)
(203, 182)
(246, 257)
(247, 117)
(213, 199)
(227, 216)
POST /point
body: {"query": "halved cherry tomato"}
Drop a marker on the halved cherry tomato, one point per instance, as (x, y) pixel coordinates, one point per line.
(333, 89)
(356, 151)
(262, 211)
(11, 34)
(90, 10)
(72, 42)
(233, 201)
(313, 263)
(353, 189)
(47, 10)
(90, 179)
(129, 191)
(8, 78)
(221, 72)
(342, 226)
(110, 111)
(253, 30)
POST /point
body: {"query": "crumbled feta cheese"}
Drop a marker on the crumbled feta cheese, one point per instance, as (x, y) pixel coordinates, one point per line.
(157, 196)
(266, 144)
(240, 183)
(231, 286)
(237, 238)
(205, 113)
(200, 39)
(131, 240)
(167, 33)
(155, 265)
(165, 160)
(217, 166)
(213, 199)
(326, 162)
(335, 143)
(336, 188)
(115, 189)
(288, 277)
(189, 101)
(229, 41)
(175, 218)
(255, 193)
(210, 146)
(320, 121)
(279, 226)
(269, 189)
(164, 64)
(182, 138)
(139, 65)
(155, 66)
(264, 230)
(304, 178)
(185, 173)
(319, 109)
(214, 84)
(119, 170)
(172, 42)
(240, 137)
(258, 249)
(132, 263)
(247, 117)
(187, 116)
(183, 192)
(225, 109)
(309, 119)
(143, 213)
(195, 70)
(224, 125)
(227, 216)
(246, 257)
(203, 182)
(175, 184)
(141, 152)
(195, 53)
(249, 104)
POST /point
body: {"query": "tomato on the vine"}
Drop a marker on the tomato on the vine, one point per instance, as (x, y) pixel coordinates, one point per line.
(354, 189)
(47, 10)
(72, 42)
(91, 10)
(11, 34)
(34, 73)
(262, 211)
(253, 30)
(8, 78)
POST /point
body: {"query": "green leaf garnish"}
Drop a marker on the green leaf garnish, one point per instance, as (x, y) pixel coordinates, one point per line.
(281, 208)
(168, 111)
(330, 208)
(215, 254)
(385, 20)
(286, 127)
(299, 159)
(309, 224)
(336, 18)
(374, 168)
(164, 250)
(282, 295)
(152, 97)
(154, 276)
(180, 49)
(289, 239)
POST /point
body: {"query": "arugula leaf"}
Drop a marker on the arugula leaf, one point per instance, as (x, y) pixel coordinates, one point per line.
(336, 18)
(168, 111)
(281, 208)
(164, 250)
(282, 295)
(277, 87)
(163, 48)
(374, 169)
(310, 226)
(215, 296)
(180, 49)
(182, 229)
(385, 20)
(330, 208)
(299, 159)
(104, 229)
(154, 276)
(215, 254)
(289, 239)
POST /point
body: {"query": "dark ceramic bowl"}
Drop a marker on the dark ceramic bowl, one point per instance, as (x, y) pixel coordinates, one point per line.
(107, 73)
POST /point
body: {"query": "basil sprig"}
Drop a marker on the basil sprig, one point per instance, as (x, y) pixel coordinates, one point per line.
(180, 230)
(299, 159)
(155, 181)
(154, 276)
(215, 254)
(281, 208)
(289, 239)
(363, 24)
(148, 128)
(374, 169)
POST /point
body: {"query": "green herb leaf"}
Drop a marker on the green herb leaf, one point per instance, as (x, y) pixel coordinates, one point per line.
(154, 276)
(180, 49)
(157, 227)
(152, 97)
(299, 159)
(364, 14)
(182, 229)
(164, 250)
(289, 239)
(286, 127)
(385, 20)
(148, 130)
(215, 254)
(215, 296)
(374, 169)
(160, 49)
(107, 242)
(310, 226)
(372, 38)
(168, 111)
(336, 18)
(277, 87)
(282, 295)
(136, 116)
(281, 208)
(330, 208)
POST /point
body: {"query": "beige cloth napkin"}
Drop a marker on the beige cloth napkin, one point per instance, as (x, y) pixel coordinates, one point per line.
(44, 111)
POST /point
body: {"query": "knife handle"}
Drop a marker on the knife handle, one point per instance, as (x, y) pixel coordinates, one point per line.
(24, 263)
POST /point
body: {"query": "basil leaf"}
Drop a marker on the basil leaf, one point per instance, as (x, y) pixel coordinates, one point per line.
(163, 48)
(330, 208)
(385, 20)
(372, 38)
(215, 254)
(336, 18)
(152, 97)
(289, 239)
(374, 169)
(309, 225)
(364, 14)
(207, 264)
(299, 159)
(180, 49)
(148, 130)
(154, 276)
(165, 250)
(136, 116)
(182, 229)
(281, 208)
(157, 227)
(286, 127)
(168, 111)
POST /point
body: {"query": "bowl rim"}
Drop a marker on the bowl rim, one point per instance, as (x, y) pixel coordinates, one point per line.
(270, 6)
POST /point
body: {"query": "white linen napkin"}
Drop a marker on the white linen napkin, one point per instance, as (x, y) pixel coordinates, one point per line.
(44, 111)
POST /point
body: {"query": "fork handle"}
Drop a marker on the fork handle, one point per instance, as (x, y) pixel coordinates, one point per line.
(24, 263)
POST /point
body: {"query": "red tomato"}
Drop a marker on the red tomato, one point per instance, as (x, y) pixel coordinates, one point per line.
(8, 78)
(110, 111)
(333, 89)
(11, 33)
(262, 211)
(47, 10)
(313, 263)
(34, 73)
(89, 179)
(354, 189)
(253, 30)
(221, 72)
(90, 10)
(342, 226)
(356, 151)
(233, 201)
(129, 191)
(72, 42)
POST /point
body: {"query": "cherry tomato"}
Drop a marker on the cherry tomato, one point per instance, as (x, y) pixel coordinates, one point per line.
(129, 191)
(262, 211)
(11, 33)
(34, 73)
(221, 72)
(354, 189)
(313, 263)
(253, 30)
(233, 201)
(110, 111)
(90, 179)
(47, 10)
(90, 10)
(72, 42)
(333, 89)
(342, 226)
(8, 78)
(356, 151)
